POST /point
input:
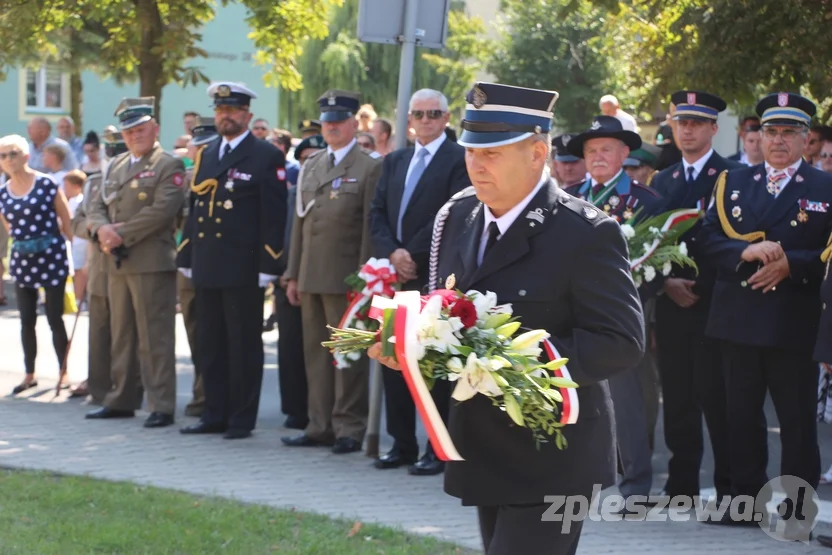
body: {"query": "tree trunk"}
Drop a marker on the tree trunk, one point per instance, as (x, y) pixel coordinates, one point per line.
(151, 64)
(76, 90)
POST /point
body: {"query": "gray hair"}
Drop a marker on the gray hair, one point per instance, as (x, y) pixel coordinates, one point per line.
(16, 141)
(609, 98)
(546, 139)
(429, 94)
(69, 119)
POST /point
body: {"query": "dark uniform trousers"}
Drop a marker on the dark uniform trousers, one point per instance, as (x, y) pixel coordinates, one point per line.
(185, 288)
(99, 382)
(401, 411)
(294, 392)
(339, 397)
(143, 319)
(690, 362)
(229, 329)
(515, 529)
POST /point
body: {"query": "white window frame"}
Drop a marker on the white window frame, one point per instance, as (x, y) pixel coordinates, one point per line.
(40, 84)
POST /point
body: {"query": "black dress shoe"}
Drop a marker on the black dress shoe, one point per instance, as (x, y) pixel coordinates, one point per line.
(24, 386)
(304, 440)
(204, 428)
(107, 412)
(344, 445)
(393, 459)
(296, 422)
(825, 541)
(428, 465)
(158, 420)
(236, 433)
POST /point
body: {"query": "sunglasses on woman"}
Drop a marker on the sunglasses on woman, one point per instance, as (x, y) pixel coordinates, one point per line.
(11, 155)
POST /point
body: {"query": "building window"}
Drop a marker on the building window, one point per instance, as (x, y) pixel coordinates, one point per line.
(45, 89)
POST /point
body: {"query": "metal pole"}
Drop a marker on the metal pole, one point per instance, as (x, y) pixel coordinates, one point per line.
(408, 40)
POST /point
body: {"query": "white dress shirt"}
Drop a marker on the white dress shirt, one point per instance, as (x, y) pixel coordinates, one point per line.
(340, 153)
(431, 147)
(698, 165)
(786, 180)
(233, 142)
(504, 222)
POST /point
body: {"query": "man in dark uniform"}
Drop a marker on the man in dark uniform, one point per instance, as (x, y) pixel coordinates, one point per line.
(604, 147)
(309, 128)
(509, 239)
(290, 360)
(765, 233)
(203, 132)
(569, 170)
(415, 183)
(235, 236)
(689, 362)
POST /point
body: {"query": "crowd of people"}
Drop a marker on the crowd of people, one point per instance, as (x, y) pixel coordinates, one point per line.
(237, 209)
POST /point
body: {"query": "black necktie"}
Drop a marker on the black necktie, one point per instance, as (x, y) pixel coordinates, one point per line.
(226, 150)
(331, 160)
(493, 234)
(690, 174)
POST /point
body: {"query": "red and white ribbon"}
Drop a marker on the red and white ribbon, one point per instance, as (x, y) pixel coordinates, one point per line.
(673, 220)
(569, 408)
(379, 276)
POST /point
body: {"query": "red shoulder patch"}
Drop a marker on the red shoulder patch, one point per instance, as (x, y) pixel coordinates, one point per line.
(281, 174)
(178, 179)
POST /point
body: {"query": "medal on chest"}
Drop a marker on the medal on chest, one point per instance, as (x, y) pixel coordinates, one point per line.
(335, 188)
(802, 215)
(629, 210)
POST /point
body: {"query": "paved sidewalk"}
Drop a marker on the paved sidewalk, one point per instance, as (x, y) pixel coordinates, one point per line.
(40, 433)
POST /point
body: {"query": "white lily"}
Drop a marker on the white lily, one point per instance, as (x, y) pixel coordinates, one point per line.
(683, 248)
(434, 332)
(484, 302)
(628, 231)
(476, 377)
(667, 267)
(649, 273)
(526, 344)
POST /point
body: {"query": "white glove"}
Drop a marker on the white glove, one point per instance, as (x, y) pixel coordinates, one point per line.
(265, 280)
(185, 272)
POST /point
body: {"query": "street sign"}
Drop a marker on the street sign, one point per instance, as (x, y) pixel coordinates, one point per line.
(383, 21)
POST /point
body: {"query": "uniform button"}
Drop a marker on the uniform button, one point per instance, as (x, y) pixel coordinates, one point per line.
(219, 235)
(805, 280)
(744, 283)
(218, 220)
(201, 202)
(219, 203)
(522, 292)
(824, 306)
(201, 219)
(201, 235)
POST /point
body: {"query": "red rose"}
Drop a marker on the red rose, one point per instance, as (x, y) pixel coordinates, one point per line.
(466, 312)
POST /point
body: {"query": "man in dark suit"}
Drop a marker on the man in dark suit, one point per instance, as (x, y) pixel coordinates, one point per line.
(765, 233)
(689, 362)
(509, 239)
(235, 235)
(414, 184)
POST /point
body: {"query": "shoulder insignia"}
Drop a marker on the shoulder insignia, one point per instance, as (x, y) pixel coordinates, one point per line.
(584, 210)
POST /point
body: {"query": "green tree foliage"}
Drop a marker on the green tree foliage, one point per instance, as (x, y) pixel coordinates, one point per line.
(151, 40)
(555, 45)
(739, 49)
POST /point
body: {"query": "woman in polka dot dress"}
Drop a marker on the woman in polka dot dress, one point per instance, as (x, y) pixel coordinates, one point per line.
(35, 211)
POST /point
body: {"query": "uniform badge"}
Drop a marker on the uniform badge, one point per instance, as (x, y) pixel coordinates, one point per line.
(758, 177)
(712, 171)
(595, 125)
(228, 205)
(331, 99)
(134, 184)
(535, 216)
(478, 97)
(223, 91)
(565, 139)
(736, 212)
(229, 185)
(782, 99)
(450, 282)
(178, 179)
(799, 178)
(691, 98)
(590, 213)
(675, 174)
(614, 201)
(142, 195)
(281, 174)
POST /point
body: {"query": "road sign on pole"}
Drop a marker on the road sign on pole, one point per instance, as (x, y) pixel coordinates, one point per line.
(383, 21)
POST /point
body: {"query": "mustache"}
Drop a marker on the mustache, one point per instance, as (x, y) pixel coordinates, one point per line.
(600, 164)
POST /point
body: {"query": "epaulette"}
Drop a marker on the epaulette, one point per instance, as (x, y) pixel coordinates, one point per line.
(468, 191)
(585, 210)
(644, 187)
